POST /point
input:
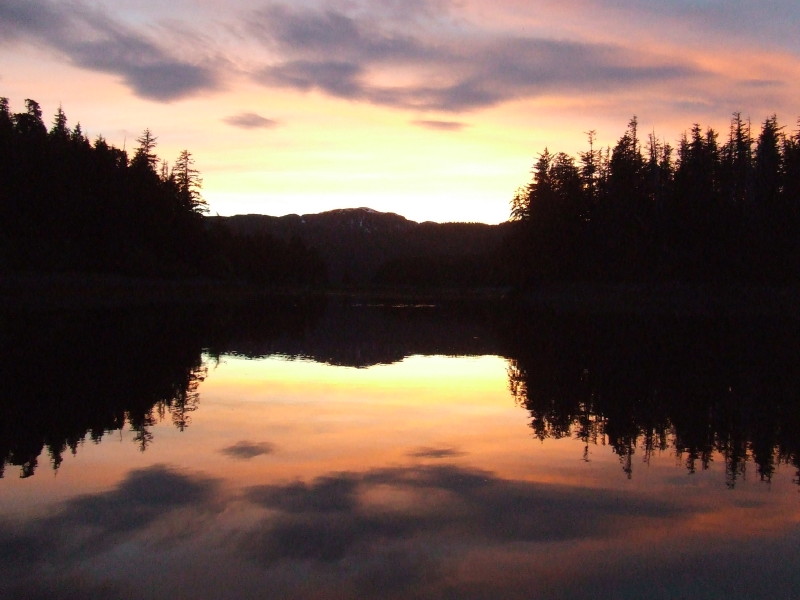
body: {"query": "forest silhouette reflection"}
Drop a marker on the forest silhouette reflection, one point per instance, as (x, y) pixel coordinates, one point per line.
(698, 388)
(695, 387)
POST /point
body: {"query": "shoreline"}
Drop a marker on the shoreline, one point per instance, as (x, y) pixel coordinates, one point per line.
(45, 291)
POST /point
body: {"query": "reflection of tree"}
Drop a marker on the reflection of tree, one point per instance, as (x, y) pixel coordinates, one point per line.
(696, 388)
(77, 375)
(186, 399)
(354, 332)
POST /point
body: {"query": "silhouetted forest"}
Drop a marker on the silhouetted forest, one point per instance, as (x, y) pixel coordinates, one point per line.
(715, 208)
(708, 210)
(70, 205)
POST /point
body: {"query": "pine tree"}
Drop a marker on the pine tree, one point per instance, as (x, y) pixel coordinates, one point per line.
(737, 163)
(768, 168)
(59, 129)
(145, 157)
(188, 183)
(29, 123)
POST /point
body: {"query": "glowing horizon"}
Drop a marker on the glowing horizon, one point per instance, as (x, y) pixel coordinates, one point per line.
(430, 109)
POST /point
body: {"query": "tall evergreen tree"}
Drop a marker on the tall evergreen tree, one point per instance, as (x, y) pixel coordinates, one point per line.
(145, 158)
(590, 170)
(737, 163)
(768, 168)
(59, 130)
(189, 183)
(29, 123)
(791, 166)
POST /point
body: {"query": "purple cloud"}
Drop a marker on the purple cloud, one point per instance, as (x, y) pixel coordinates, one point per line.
(250, 120)
(90, 38)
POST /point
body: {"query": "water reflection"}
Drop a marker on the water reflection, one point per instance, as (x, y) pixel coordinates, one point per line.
(438, 531)
(287, 458)
(697, 387)
(354, 334)
(69, 376)
(82, 374)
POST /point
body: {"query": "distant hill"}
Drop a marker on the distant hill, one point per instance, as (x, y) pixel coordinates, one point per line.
(361, 245)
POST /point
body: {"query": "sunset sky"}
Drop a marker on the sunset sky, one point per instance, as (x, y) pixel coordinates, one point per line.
(433, 109)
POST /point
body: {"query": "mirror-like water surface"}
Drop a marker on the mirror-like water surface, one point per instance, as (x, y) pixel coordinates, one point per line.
(354, 452)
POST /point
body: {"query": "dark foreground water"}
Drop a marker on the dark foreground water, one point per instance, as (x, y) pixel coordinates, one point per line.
(312, 451)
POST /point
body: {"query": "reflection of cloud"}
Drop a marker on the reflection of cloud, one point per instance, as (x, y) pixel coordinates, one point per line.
(426, 452)
(92, 39)
(419, 531)
(405, 529)
(89, 525)
(440, 125)
(249, 120)
(246, 450)
(143, 498)
(328, 519)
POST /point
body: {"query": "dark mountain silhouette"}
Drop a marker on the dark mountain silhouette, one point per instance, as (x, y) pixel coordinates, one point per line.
(361, 245)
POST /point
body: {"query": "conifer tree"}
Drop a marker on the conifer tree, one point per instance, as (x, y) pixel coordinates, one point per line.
(768, 168)
(144, 158)
(189, 183)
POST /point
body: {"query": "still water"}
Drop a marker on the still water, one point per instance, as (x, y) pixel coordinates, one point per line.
(396, 452)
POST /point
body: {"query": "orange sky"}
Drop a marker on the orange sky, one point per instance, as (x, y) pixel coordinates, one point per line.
(429, 108)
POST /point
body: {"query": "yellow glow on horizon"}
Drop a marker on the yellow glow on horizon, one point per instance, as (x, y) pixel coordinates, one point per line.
(390, 165)
(326, 152)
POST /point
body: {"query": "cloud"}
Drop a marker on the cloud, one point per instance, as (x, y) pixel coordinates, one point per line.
(250, 120)
(743, 19)
(443, 67)
(317, 33)
(440, 125)
(334, 77)
(426, 452)
(246, 450)
(91, 39)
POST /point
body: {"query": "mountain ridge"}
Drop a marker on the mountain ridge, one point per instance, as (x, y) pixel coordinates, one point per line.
(363, 245)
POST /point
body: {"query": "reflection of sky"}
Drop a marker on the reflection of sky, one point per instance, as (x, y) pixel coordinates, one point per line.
(418, 479)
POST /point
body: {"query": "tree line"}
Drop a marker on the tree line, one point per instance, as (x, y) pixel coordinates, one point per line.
(72, 205)
(709, 209)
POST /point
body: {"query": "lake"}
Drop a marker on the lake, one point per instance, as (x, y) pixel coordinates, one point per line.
(344, 449)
